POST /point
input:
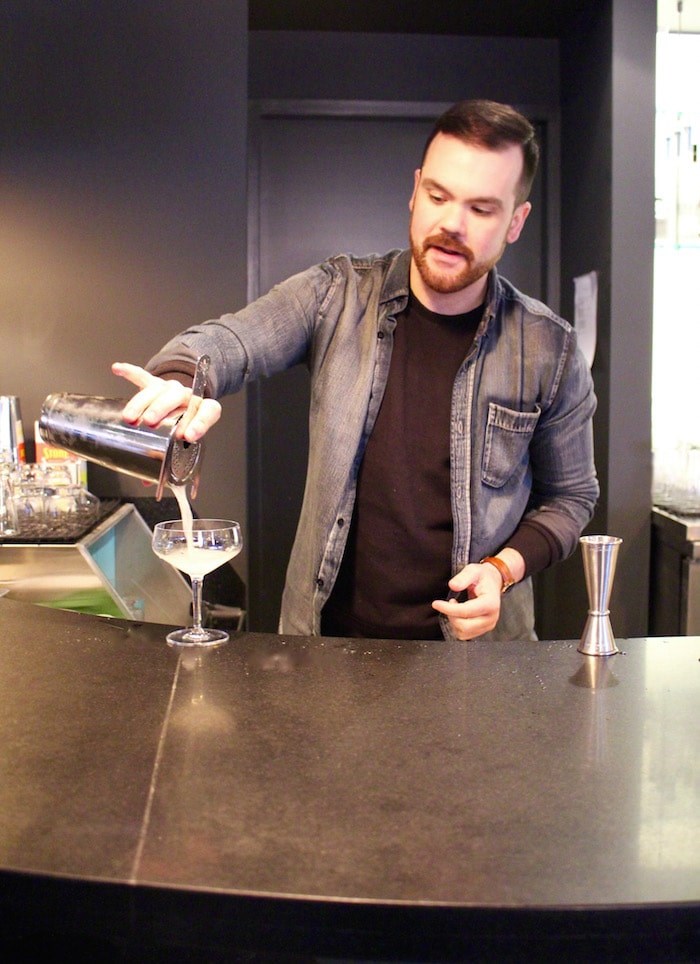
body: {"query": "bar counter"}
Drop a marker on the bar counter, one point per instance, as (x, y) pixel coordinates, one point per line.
(286, 798)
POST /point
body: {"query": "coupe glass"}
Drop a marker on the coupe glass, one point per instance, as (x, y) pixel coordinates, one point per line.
(196, 551)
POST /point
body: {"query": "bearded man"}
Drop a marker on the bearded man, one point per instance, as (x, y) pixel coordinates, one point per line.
(451, 443)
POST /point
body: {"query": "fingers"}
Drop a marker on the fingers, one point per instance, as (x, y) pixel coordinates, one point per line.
(476, 603)
(137, 376)
(160, 398)
(157, 399)
(208, 413)
(471, 618)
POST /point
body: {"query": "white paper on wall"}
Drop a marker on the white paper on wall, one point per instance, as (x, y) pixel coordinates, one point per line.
(586, 313)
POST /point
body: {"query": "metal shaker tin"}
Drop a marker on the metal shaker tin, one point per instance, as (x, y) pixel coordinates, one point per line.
(92, 427)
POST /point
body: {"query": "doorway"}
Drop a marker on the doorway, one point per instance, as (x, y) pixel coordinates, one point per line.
(326, 178)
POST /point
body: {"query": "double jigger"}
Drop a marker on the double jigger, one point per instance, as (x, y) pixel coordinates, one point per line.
(599, 561)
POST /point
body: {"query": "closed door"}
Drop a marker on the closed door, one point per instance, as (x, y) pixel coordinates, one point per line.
(321, 185)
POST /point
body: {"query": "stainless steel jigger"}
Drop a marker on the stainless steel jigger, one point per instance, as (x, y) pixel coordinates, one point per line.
(599, 561)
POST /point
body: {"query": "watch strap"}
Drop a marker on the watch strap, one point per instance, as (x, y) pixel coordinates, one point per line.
(506, 574)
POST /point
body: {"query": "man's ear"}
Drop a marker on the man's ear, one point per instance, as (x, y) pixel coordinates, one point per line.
(517, 222)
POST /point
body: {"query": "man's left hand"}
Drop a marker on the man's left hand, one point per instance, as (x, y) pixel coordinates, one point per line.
(479, 588)
(479, 613)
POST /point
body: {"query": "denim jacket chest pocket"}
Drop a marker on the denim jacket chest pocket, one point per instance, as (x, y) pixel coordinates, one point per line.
(508, 436)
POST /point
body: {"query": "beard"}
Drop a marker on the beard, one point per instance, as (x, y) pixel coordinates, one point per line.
(449, 282)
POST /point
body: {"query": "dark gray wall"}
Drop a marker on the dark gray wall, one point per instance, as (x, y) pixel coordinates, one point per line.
(123, 205)
(347, 66)
(122, 199)
(629, 463)
(607, 109)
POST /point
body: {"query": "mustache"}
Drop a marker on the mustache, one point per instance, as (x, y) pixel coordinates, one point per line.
(449, 243)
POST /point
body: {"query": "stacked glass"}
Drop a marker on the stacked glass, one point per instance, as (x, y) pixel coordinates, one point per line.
(42, 500)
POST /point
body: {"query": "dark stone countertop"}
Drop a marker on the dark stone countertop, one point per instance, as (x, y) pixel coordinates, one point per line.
(380, 799)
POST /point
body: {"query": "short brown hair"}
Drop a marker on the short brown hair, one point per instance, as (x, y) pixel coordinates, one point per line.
(489, 124)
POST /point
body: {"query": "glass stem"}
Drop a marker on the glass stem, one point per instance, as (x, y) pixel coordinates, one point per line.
(197, 603)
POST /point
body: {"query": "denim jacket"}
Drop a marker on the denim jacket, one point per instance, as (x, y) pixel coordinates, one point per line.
(521, 435)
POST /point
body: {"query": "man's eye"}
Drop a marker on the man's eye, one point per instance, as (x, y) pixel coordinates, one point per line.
(437, 198)
(482, 211)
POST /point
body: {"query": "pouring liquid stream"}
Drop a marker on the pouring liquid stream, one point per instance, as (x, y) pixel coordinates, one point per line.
(180, 493)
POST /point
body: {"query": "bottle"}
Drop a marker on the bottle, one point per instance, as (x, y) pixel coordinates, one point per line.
(12, 446)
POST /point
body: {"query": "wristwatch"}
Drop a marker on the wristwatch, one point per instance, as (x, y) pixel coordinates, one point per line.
(506, 574)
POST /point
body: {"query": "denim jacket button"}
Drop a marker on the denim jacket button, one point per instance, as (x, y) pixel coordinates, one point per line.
(341, 523)
(380, 334)
(319, 583)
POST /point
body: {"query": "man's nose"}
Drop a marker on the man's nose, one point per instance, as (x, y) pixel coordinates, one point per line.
(453, 219)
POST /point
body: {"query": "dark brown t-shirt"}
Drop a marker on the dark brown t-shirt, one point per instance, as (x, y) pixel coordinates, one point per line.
(399, 549)
(398, 555)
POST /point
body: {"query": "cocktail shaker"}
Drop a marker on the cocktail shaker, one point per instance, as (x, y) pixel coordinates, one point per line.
(92, 427)
(11, 433)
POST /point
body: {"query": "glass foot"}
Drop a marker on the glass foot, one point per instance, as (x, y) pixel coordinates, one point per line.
(197, 637)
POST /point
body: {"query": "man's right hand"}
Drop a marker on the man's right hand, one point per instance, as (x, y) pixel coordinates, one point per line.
(159, 398)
